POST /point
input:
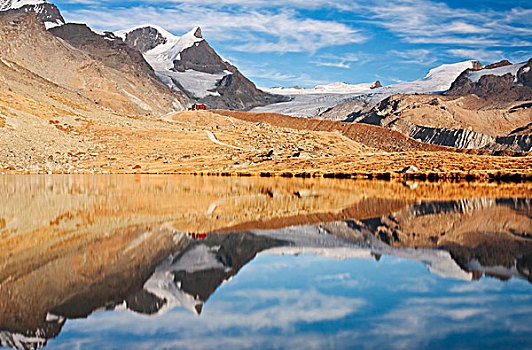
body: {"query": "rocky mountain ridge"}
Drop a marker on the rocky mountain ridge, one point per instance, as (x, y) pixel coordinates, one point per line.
(190, 64)
(47, 12)
(502, 81)
(484, 108)
(468, 121)
(187, 64)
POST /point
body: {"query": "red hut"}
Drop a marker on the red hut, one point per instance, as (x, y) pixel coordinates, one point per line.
(198, 107)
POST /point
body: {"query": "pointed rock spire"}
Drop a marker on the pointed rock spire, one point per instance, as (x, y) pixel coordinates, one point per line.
(197, 33)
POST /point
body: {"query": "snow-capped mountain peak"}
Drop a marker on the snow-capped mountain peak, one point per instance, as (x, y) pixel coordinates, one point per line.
(171, 51)
(15, 4)
(47, 12)
(449, 72)
(189, 64)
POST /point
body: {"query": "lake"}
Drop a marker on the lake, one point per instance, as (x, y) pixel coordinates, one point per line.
(164, 262)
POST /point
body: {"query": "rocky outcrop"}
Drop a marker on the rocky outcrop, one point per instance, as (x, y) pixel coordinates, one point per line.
(376, 85)
(144, 39)
(48, 13)
(234, 89)
(498, 64)
(469, 121)
(462, 138)
(496, 81)
(346, 111)
(108, 49)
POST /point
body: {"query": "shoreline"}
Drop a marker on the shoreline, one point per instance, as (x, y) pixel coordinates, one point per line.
(453, 177)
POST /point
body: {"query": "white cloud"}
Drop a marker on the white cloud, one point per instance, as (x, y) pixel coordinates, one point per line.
(339, 61)
(280, 26)
(431, 22)
(415, 56)
(478, 54)
(246, 30)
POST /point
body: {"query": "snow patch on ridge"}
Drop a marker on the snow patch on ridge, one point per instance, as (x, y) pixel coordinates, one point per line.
(500, 71)
(50, 25)
(165, 54)
(198, 84)
(15, 4)
(334, 88)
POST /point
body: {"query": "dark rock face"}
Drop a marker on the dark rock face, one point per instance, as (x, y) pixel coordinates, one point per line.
(498, 64)
(202, 58)
(113, 53)
(376, 85)
(236, 91)
(32, 339)
(46, 12)
(461, 138)
(524, 75)
(144, 39)
(503, 88)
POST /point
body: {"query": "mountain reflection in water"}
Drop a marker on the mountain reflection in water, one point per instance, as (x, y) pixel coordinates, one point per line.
(311, 263)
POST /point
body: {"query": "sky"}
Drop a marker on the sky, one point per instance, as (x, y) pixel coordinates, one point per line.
(310, 42)
(309, 302)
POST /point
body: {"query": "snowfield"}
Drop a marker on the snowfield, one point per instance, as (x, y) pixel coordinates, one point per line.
(334, 88)
(198, 84)
(312, 102)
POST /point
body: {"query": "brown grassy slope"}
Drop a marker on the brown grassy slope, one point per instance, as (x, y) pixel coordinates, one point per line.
(48, 128)
(369, 135)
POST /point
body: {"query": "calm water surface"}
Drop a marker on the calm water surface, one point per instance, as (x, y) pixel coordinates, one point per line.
(114, 262)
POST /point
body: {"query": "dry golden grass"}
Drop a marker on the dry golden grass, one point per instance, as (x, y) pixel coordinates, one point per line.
(50, 129)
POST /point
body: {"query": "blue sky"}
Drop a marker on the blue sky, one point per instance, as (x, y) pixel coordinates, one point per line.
(302, 42)
(309, 302)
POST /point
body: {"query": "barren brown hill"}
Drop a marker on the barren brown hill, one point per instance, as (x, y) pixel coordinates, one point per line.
(481, 115)
(124, 88)
(369, 135)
